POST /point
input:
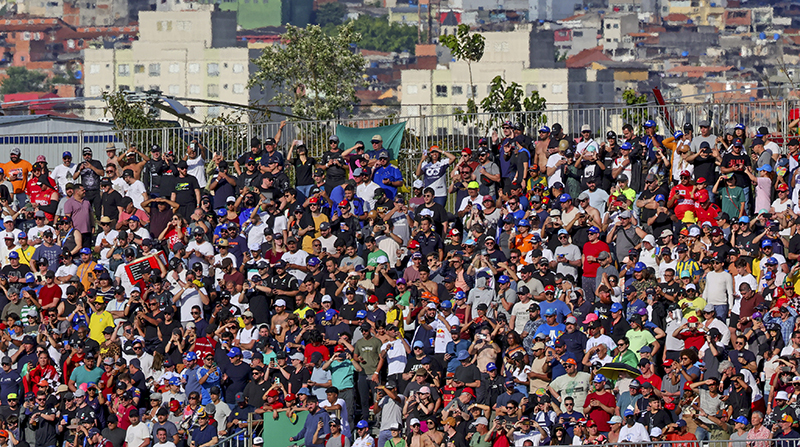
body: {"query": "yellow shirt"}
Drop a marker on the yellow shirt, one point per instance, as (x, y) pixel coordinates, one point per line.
(694, 307)
(26, 255)
(86, 274)
(98, 322)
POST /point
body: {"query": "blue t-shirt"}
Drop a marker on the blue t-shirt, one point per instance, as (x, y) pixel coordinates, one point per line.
(204, 435)
(212, 380)
(551, 331)
(387, 172)
(562, 310)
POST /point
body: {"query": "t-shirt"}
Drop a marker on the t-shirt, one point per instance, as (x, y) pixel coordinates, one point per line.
(136, 435)
(184, 190)
(576, 387)
(435, 176)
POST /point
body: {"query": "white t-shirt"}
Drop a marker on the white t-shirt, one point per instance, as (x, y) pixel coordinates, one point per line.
(189, 299)
(15, 232)
(205, 249)
(297, 258)
(366, 191)
(136, 192)
(197, 168)
(66, 270)
(552, 162)
(63, 175)
(109, 237)
(218, 272)
(36, 232)
(395, 356)
(255, 236)
(135, 435)
(122, 277)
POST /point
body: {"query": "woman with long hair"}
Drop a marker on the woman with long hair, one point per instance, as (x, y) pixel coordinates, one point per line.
(175, 232)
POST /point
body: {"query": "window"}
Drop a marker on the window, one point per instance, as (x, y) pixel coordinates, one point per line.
(608, 26)
(441, 91)
(194, 68)
(155, 69)
(616, 26)
(558, 88)
(138, 89)
(458, 90)
(183, 25)
(124, 88)
(138, 68)
(174, 68)
(213, 90)
(164, 25)
(71, 44)
(213, 69)
(238, 88)
(194, 89)
(412, 89)
(174, 89)
(94, 68)
(238, 68)
(94, 90)
(472, 92)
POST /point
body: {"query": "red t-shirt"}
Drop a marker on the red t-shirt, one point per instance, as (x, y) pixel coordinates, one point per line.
(707, 214)
(590, 268)
(693, 339)
(322, 349)
(652, 380)
(204, 346)
(597, 414)
(49, 294)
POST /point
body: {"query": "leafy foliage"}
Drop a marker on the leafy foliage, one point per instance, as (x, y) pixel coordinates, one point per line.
(330, 14)
(466, 47)
(508, 102)
(134, 119)
(635, 115)
(378, 34)
(21, 80)
(314, 73)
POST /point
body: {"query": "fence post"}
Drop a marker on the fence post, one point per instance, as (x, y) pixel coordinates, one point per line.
(80, 142)
(423, 133)
(164, 140)
(603, 122)
(783, 121)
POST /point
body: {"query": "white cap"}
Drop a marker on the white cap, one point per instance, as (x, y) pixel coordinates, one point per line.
(782, 395)
(418, 184)
(382, 259)
(431, 306)
(258, 440)
(280, 302)
(413, 421)
(650, 239)
(481, 421)
(586, 127)
(694, 232)
(327, 298)
(655, 432)
(8, 219)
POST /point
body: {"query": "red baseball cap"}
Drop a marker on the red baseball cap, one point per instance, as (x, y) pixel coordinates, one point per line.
(469, 391)
(467, 150)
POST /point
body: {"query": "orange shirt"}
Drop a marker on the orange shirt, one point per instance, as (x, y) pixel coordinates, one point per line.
(17, 173)
(523, 243)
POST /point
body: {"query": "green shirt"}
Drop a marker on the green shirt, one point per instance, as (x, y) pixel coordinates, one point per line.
(639, 339)
(342, 374)
(369, 350)
(372, 260)
(80, 375)
(477, 441)
(732, 198)
(628, 357)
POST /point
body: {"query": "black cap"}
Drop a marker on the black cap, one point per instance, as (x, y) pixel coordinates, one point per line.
(182, 164)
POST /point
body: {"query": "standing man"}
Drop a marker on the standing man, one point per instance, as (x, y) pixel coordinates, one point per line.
(63, 173)
(90, 172)
(186, 192)
(79, 210)
(17, 171)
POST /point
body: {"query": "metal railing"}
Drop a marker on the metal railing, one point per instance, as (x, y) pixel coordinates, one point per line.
(238, 439)
(448, 130)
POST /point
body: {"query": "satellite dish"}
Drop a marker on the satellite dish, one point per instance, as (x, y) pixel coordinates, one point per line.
(78, 74)
(776, 36)
(762, 36)
(685, 54)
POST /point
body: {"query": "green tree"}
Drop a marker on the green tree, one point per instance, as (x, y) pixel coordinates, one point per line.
(330, 14)
(378, 34)
(314, 74)
(20, 80)
(635, 114)
(466, 47)
(508, 102)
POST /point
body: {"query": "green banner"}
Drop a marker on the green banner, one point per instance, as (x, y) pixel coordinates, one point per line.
(392, 137)
(278, 431)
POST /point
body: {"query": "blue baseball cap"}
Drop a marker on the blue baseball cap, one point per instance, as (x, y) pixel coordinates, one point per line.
(523, 223)
(446, 304)
(739, 126)
(744, 219)
(741, 420)
(313, 261)
(616, 307)
(361, 314)
(13, 255)
(629, 290)
(503, 279)
(418, 344)
(639, 267)
(629, 412)
(768, 275)
(234, 352)
(29, 277)
(86, 251)
(190, 356)
(771, 261)
(550, 311)
(491, 366)
(678, 134)
(562, 231)
(564, 198)
(649, 123)
(221, 212)
(660, 197)
(767, 167)
(462, 355)
(593, 229)
(766, 243)
(66, 154)
(22, 235)
(362, 424)
(134, 218)
(626, 146)
(175, 380)
(599, 378)
(460, 295)
(646, 348)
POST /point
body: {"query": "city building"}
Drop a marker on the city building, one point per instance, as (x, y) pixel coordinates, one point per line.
(192, 54)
